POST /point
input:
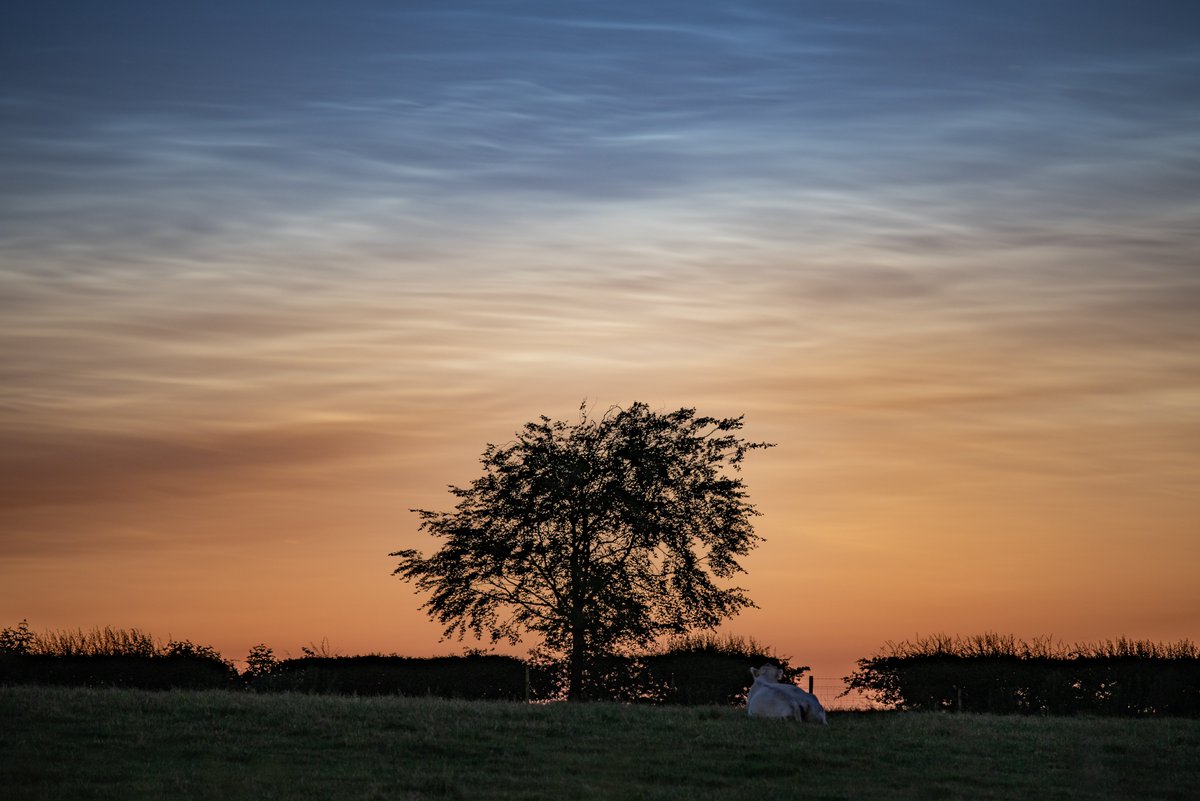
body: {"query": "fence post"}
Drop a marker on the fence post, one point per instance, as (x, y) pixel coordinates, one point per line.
(810, 685)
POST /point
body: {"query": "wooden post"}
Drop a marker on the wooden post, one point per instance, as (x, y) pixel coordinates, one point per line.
(810, 684)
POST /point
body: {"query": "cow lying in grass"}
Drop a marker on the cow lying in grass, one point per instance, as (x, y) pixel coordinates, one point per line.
(771, 698)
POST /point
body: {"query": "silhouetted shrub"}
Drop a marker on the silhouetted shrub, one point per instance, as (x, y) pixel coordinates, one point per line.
(476, 677)
(991, 673)
(260, 664)
(109, 657)
(695, 670)
(140, 672)
(708, 670)
(17, 640)
(701, 669)
(107, 641)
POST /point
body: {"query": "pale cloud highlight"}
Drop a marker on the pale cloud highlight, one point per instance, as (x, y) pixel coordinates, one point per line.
(946, 260)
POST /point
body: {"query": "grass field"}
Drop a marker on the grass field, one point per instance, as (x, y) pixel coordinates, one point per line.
(121, 744)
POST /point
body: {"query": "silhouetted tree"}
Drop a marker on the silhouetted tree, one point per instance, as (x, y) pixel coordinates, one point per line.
(260, 663)
(17, 641)
(595, 536)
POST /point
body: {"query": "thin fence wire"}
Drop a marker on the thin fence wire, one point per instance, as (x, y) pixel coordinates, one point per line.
(829, 692)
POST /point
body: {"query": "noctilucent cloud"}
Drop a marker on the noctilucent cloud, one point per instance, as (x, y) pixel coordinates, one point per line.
(273, 273)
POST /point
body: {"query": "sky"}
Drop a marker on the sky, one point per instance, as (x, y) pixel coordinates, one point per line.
(273, 274)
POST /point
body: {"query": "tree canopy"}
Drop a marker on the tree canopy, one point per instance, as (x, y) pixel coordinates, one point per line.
(595, 536)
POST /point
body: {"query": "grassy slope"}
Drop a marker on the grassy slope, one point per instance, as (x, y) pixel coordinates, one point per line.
(92, 744)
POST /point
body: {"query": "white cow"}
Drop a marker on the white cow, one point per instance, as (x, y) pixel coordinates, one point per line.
(771, 698)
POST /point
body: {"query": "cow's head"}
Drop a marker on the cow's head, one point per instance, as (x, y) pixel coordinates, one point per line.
(767, 672)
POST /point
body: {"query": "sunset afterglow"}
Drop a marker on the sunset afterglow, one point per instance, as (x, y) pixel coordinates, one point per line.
(272, 275)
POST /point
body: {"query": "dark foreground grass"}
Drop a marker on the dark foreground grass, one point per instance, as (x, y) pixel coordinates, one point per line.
(124, 744)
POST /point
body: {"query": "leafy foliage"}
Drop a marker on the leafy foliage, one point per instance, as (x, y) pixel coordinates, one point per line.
(260, 663)
(109, 657)
(477, 677)
(596, 536)
(697, 669)
(703, 669)
(107, 641)
(700, 669)
(995, 673)
(17, 640)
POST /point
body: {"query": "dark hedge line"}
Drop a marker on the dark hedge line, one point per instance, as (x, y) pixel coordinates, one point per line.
(133, 672)
(1122, 678)
(700, 677)
(688, 671)
(110, 657)
(477, 677)
(687, 678)
(695, 670)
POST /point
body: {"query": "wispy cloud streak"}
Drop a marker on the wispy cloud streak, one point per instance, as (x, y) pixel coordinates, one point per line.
(945, 253)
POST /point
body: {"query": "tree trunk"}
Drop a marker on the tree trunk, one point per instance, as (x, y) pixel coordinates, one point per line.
(577, 657)
(575, 663)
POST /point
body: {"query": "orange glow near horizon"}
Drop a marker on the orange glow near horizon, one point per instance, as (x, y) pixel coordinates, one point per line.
(930, 481)
(247, 325)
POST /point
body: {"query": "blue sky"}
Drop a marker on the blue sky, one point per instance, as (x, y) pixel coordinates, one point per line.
(141, 121)
(945, 253)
